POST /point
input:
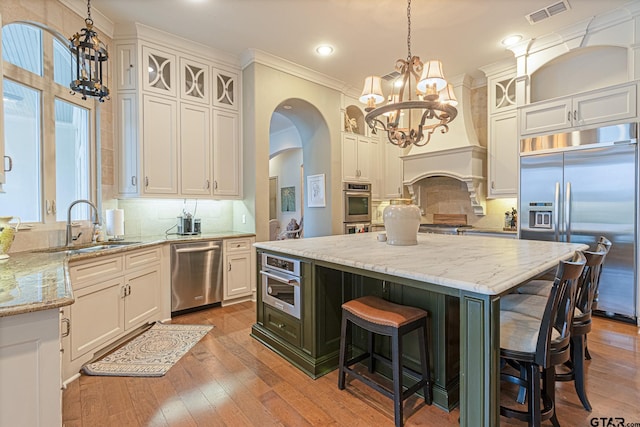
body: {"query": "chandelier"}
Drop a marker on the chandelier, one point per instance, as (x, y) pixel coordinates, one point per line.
(91, 57)
(420, 91)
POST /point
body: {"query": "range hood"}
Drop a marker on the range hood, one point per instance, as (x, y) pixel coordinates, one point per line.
(456, 154)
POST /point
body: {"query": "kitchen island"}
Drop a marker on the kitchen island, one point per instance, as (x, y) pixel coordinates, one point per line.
(459, 279)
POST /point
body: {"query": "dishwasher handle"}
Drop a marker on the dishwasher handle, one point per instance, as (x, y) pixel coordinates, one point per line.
(191, 250)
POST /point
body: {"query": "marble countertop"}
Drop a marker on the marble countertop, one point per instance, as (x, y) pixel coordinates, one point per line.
(489, 230)
(39, 280)
(481, 264)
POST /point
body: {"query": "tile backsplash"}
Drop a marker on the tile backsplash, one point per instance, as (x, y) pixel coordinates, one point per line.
(142, 217)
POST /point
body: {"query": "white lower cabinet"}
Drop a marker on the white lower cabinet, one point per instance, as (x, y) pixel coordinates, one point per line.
(30, 370)
(239, 268)
(142, 299)
(96, 316)
(115, 294)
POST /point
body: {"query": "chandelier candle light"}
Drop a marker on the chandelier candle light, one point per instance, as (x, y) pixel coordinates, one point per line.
(422, 91)
(90, 56)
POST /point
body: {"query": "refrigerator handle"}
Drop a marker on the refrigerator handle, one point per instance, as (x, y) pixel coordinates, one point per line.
(556, 209)
(567, 212)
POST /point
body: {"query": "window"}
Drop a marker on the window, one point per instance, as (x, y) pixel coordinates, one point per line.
(48, 131)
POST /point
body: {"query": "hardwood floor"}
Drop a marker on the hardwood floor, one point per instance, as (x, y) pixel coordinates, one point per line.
(230, 379)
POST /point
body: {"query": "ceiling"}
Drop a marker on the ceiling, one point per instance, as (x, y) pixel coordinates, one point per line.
(367, 35)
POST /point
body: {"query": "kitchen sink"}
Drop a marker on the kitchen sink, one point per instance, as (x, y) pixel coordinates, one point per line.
(89, 248)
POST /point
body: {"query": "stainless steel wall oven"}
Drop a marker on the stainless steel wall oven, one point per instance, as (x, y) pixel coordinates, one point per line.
(280, 283)
(357, 202)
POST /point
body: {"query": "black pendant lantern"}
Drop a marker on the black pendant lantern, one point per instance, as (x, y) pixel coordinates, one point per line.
(90, 67)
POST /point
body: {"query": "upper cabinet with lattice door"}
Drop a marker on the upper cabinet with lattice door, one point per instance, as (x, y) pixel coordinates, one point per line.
(194, 81)
(159, 71)
(225, 89)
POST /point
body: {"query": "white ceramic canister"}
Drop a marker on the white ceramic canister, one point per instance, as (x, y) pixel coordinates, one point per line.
(401, 222)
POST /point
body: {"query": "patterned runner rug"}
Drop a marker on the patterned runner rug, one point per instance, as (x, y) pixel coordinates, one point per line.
(150, 354)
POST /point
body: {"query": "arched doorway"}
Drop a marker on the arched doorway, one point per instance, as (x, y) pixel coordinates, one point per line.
(298, 148)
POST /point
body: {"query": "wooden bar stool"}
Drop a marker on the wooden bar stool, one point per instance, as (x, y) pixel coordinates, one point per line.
(381, 317)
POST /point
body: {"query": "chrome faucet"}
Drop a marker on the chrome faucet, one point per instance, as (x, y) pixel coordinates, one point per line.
(96, 220)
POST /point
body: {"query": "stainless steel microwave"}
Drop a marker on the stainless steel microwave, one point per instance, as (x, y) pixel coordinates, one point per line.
(357, 202)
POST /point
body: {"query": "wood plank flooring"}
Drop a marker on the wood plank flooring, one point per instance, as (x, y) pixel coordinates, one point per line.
(230, 379)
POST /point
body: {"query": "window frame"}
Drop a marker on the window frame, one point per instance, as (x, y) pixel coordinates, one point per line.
(50, 91)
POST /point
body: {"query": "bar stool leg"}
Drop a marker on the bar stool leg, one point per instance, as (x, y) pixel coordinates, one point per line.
(346, 337)
(371, 347)
(578, 370)
(396, 360)
(425, 351)
(549, 387)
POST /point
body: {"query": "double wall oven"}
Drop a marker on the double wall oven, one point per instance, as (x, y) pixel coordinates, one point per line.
(357, 207)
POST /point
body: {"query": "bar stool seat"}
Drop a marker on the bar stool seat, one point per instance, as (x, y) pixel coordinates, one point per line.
(380, 317)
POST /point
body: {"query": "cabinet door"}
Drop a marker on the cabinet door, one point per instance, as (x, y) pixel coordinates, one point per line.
(159, 145)
(503, 156)
(392, 171)
(604, 106)
(225, 89)
(195, 152)
(126, 67)
(349, 157)
(546, 117)
(237, 275)
(96, 316)
(227, 160)
(364, 159)
(143, 294)
(194, 81)
(158, 71)
(127, 128)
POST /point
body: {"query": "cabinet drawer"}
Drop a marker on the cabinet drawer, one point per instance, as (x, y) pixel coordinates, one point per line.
(238, 245)
(283, 325)
(141, 258)
(89, 272)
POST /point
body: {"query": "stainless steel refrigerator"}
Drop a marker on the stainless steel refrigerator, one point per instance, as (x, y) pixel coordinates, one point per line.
(577, 186)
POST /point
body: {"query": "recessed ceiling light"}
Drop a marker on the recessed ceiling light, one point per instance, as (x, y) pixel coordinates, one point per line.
(287, 107)
(324, 50)
(511, 40)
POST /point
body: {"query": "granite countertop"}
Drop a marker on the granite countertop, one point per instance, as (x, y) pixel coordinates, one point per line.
(481, 264)
(39, 280)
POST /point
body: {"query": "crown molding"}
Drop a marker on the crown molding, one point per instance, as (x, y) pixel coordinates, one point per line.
(250, 56)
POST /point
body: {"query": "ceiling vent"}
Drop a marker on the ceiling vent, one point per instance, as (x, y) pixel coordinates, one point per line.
(392, 76)
(548, 12)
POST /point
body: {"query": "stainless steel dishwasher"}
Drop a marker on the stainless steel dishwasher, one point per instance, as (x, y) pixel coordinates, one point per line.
(196, 274)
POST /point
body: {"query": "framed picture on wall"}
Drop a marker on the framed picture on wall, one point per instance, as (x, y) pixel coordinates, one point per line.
(288, 199)
(315, 191)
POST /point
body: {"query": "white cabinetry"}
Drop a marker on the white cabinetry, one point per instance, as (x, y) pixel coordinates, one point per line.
(611, 105)
(240, 268)
(227, 154)
(159, 145)
(392, 171)
(502, 155)
(356, 157)
(177, 123)
(195, 150)
(30, 370)
(115, 294)
(160, 76)
(194, 81)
